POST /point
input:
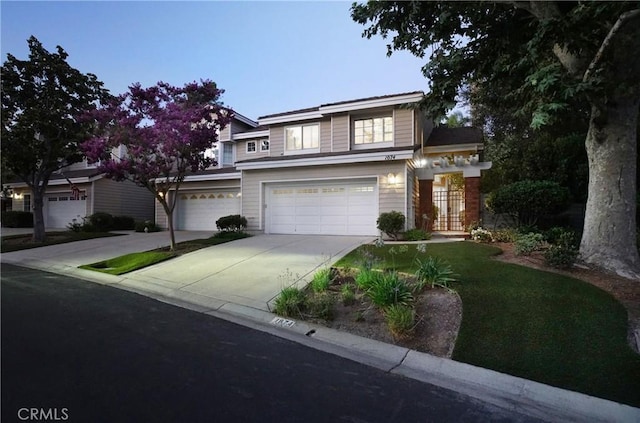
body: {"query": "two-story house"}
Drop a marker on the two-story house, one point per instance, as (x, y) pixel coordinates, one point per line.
(332, 169)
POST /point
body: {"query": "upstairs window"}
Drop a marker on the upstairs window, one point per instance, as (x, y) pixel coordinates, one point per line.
(303, 137)
(251, 146)
(227, 154)
(264, 145)
(373, 130)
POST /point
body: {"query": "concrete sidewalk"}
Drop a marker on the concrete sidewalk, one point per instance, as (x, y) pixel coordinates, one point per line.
(238, 280)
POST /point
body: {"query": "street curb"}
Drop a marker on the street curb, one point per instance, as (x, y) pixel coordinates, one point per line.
(512, 393)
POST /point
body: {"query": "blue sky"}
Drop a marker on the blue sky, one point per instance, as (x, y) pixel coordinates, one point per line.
(270, 57)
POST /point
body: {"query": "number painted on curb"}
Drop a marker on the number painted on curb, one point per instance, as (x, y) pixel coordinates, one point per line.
(285, 323)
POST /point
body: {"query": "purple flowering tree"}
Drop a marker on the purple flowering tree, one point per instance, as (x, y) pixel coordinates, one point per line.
(165, 131)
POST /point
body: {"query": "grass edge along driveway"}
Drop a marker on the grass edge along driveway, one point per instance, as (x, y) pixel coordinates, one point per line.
(135, 261)
(532, 324)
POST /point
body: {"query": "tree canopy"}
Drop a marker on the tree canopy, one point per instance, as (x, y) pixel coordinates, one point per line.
(43, 98)
(155, 136)
(542, 59)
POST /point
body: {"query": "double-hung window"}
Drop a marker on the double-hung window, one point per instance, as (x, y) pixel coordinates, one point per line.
(264, 145)
(251, 146)
(26, 202)
(373, 130)
(227, 154)
(304, 137)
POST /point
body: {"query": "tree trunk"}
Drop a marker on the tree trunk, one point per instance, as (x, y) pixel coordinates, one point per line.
(39, 234)
(609, 236)
(169, 212)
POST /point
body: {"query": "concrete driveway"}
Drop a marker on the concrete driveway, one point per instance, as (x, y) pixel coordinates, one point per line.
(248, 272)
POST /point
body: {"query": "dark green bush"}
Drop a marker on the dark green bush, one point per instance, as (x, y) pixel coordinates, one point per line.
(417, 235)
(232, 223)
(391, 223)
(564, 249)
(17, 219)
(147, 226)
(101, 221)
(525, 202)
(124, 223)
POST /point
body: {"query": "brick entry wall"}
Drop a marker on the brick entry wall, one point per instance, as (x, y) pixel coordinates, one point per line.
(471, 200)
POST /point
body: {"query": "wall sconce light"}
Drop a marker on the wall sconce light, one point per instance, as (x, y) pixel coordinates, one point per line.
(392, 179)
(161, 194)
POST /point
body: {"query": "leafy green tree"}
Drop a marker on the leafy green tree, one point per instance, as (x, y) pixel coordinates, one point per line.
(547, 55)
(43, 99)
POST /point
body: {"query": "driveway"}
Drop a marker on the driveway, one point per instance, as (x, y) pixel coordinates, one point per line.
(248, 272)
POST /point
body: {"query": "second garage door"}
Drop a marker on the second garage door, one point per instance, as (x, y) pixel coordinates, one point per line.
(63, 208)
(198, 211)
(338, 208)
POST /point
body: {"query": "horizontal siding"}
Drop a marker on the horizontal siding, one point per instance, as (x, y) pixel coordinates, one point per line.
(403, 135)
(325, 136)
(340, 132)
(276, 140)
(241, 151)
(122, 199)
(391, 197)
(160, 215)
(225, 134)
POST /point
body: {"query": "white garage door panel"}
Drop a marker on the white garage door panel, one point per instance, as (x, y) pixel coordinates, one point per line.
(198, 211)
(338, 208)
(62, 209)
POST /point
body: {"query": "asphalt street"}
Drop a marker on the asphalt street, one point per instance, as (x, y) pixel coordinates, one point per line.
(84, 352)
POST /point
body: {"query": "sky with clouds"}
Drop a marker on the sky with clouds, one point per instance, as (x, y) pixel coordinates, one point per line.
(269, 57)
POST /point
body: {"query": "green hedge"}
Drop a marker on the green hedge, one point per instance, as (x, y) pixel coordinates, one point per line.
(17, 219)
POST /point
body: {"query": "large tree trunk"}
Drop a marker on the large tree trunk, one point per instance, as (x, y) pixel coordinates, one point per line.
(39, 234)
(609, 237)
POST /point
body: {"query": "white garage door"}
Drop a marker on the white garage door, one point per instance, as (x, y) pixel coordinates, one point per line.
(339, 208)
(198, 211)
(63, 208)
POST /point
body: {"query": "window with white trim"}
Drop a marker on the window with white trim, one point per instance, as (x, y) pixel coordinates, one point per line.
(373, 130)
(26, 202)
(251, 146)
(227, 154)
(304, 137)
(264, 145)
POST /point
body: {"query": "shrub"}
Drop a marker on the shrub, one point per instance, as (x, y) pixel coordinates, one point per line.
(17, 219)
(528, 243)
(291, 302)
(433, 271)
(505, 235)
(322, 306)
(400, 319)
(389, 289)
(232, 223)
(321, 280)
(481, 235)
(526, 201)
(348, 294)
(417, 235)
(124, 223)
(564, 251)
(101, 221)
(365, 278)
(391, 223)
(147, 226)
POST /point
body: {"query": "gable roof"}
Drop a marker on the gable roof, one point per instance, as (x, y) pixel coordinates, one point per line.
(367, 102)
(443, 135)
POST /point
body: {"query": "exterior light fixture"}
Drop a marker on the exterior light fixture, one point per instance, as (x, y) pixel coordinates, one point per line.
(392, 179)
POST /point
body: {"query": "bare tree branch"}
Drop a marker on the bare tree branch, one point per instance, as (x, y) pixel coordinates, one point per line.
(607, 41)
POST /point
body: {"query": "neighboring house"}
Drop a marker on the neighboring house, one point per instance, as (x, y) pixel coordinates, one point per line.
(334, 168)
(93, 193)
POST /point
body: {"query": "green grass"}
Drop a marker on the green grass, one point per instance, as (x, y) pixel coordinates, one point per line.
(533, 324)
(135, 261)
(24, 242)
(129, 262)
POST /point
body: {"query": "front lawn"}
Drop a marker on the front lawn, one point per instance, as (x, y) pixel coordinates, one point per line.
(532, 324)
(135, 261)
(128, 262)
(24, 242)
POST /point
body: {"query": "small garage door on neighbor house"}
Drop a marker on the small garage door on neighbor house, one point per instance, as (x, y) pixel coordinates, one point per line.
(199, 210)
(331, 208)
(61, 209)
